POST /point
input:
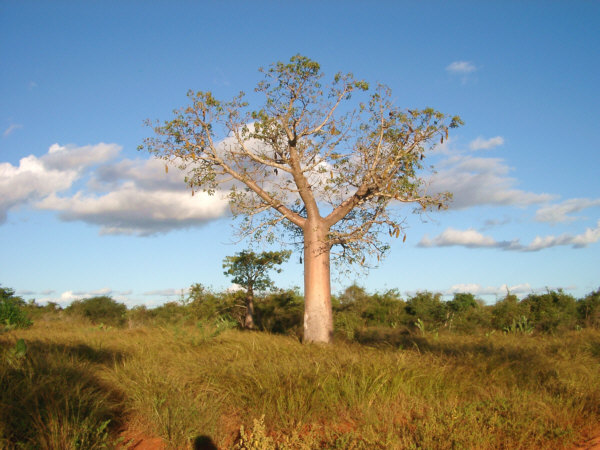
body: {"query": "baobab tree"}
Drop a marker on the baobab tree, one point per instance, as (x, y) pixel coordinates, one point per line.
(313, 160)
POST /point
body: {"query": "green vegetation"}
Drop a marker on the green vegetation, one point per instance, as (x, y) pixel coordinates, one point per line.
(12, 313)
(99, 310)
(414, 373)
(251, 272)
(319, 161)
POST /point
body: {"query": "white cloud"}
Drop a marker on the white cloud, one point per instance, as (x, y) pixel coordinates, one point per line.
(559, 212)
(589, 236)
(477, 289)
(461, 67)
(486, 144)
(12, 128)
(500, 291)
(491, 223)
(170, 292)
(79, 158)
(234, 287)
(56, 171)
(467, 238)
(131, 210)
(475, 181)
(68, 297)
(30, 180)
(122, 197)
(473, 239)
(95, 293)
(27, 293)
(146, 174)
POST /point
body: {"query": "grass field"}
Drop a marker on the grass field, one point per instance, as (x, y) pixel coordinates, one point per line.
(76, 385)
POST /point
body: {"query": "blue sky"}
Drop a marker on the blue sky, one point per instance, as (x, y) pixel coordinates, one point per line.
(82, 212)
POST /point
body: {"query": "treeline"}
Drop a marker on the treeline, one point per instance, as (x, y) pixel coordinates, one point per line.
(357, 313)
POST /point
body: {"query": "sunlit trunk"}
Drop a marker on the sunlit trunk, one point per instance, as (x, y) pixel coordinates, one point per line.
(249, 319)
(318, 317)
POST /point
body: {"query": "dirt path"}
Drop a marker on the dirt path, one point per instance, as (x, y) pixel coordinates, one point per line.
(590, 444)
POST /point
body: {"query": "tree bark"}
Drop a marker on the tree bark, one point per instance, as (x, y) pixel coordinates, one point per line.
(318, 316)
(249, 319)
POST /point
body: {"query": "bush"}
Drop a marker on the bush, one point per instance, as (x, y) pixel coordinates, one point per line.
(206, 305)
(139, 315)
(281, 312)
(172, 312)
(429, 308)
(99, 310)
(12, 314)
(507, 311)
(355, 308)
(473, 320)
(36, 312)
(588, 310)
(462, 302)
(551, 311)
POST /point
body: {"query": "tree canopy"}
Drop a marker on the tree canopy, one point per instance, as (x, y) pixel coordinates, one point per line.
(251, 271)
(326, 161)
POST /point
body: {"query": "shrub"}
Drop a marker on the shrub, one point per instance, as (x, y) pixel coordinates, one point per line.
(462, 302)
(588, 310)
(347, 323)
(172, 312)
(99, 310)
(206, 305)
(429, 308)
(473, 319)
(49, 311)
(386, 309)
(139, 315)
(12, 314)
(507, 311)
(551, 311)
(355, 306)
(281, 312)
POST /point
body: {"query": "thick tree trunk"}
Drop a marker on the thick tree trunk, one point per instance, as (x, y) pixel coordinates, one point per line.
(318, 316)
(249, 319)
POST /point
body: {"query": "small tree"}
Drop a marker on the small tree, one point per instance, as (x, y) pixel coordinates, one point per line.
(327, 172)
(251, 271)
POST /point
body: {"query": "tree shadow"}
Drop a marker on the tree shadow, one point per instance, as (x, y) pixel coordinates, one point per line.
(51, 396)
(204, 443)
(79, 352)
(526, 360)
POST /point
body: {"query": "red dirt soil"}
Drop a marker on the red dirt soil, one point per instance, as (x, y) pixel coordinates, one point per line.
(590, 444)
(138, 441)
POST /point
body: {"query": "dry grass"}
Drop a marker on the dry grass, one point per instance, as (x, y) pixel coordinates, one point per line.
(79, 386)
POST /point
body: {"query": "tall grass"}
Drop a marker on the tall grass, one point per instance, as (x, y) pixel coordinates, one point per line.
(81, 386)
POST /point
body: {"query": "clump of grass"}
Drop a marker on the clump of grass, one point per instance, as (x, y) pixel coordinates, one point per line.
(396, 390)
